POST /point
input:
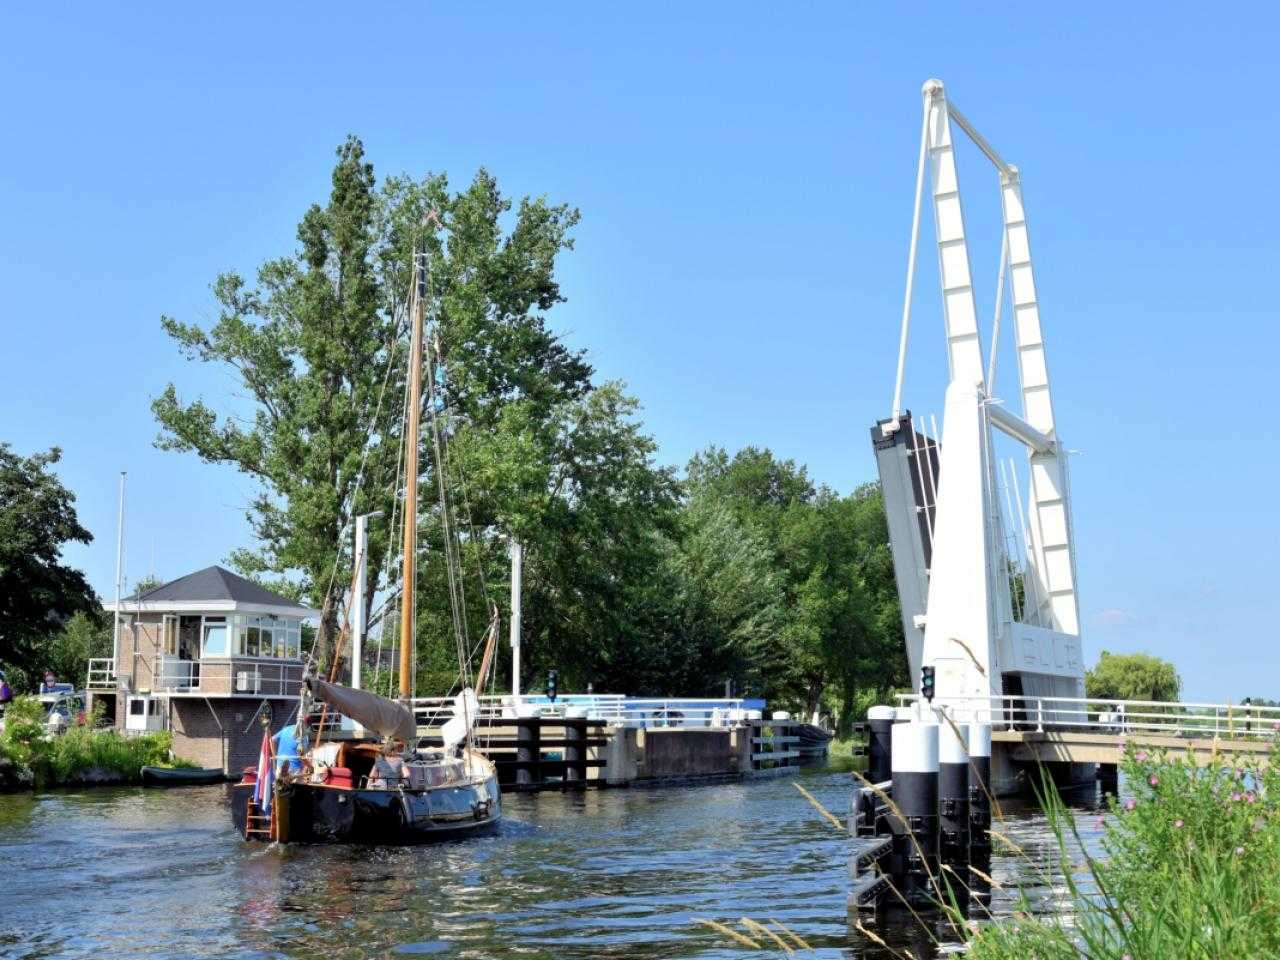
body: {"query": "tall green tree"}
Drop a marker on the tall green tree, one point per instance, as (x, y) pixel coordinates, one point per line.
(839, 631)
(38, 592)
(1132, 676)
(312, 343)
(531, 447)
(68, 650)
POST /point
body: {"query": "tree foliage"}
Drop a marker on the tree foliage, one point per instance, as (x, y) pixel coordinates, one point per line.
(838, 631)
(1132, 676)
(634, 582)
(38, 592)
(535, 449)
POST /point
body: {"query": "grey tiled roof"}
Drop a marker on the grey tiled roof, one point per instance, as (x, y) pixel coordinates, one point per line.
(212, 583)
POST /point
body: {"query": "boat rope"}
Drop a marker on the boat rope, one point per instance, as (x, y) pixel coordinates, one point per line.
(398, 319)
(389, 563)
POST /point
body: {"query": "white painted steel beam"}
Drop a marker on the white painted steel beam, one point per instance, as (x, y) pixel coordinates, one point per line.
(964, 347)
(1053, 557)
(1019, 429)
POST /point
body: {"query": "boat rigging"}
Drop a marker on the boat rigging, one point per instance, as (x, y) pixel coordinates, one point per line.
(319, 782)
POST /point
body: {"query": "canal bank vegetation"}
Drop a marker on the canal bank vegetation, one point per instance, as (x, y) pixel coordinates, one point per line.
(30, 757)
(1187, 868)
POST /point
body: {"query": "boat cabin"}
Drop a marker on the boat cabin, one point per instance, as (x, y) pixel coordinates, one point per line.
(204, 657)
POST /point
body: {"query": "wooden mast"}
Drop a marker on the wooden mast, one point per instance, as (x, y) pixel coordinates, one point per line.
(407, 611)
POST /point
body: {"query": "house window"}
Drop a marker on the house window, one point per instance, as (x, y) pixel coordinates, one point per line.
(268, 637)
(137, 708)
(215, 637)
(170, 635)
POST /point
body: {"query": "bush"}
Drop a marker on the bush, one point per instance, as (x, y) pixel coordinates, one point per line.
(1188, 870)
(81, 754)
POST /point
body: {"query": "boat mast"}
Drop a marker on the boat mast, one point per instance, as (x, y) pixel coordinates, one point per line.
(407, 625)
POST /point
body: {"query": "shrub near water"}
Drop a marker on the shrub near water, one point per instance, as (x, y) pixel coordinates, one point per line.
(1190, 869)
(81, 754)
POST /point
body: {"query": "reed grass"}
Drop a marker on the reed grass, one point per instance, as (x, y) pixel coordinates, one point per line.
(1187, 868)
(728, 931)
(759, 929)
(817, 805)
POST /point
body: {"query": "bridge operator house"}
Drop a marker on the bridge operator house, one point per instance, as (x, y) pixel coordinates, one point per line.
(204, 656)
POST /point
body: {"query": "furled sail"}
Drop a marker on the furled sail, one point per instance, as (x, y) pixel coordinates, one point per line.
(384, 717)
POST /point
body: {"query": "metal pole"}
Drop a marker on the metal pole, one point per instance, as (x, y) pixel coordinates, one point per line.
(995, 323)
(517, 573)
(911, 270)
(115, 625)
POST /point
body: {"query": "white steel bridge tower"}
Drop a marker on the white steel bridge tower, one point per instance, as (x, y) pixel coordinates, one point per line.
(988, 589)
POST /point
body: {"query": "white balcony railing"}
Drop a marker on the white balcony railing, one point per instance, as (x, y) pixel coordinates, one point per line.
(102, 675)
(228, 677)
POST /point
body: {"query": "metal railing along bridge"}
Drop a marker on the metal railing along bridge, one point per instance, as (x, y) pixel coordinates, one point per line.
(1113, 717)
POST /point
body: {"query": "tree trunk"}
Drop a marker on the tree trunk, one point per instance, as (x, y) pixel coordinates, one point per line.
(844, 722)
(814, 697)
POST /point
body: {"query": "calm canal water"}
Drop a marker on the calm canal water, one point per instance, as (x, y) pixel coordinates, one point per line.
(615, 873)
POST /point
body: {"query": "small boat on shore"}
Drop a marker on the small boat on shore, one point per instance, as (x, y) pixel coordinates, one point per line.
(814, 741)
(181, 776)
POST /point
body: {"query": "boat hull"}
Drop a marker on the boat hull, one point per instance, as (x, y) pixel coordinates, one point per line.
(319, 813)
(181, 777)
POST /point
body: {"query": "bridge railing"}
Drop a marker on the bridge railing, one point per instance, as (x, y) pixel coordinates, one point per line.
(640, 713)
(1154, 717)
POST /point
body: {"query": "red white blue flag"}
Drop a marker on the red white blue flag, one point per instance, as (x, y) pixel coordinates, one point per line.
(266, 775)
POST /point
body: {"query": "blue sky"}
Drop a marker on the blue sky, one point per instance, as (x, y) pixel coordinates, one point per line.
(744, 173)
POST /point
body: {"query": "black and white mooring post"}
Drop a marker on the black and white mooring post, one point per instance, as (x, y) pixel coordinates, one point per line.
(980, 806)
(915, 792)
(953, 804)
(879, 743)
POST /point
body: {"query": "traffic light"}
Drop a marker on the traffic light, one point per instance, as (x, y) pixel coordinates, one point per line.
(926, 683)
(551, 685)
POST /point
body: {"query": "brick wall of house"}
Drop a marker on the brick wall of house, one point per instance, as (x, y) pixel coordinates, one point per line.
(232, 739)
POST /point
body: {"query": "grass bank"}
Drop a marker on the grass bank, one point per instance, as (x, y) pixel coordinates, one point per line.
(32, 759)
(1188, 869)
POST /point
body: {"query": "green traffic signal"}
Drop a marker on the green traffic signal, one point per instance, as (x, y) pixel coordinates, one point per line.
(926, 682)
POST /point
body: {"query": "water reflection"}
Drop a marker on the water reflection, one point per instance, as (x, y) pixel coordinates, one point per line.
(615, 873)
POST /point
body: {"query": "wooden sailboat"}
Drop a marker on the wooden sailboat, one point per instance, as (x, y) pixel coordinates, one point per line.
(379, 787)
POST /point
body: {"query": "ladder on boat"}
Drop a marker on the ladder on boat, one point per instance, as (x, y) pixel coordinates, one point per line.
(257, 825)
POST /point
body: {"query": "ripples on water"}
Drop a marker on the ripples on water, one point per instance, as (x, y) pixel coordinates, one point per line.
(611, 873)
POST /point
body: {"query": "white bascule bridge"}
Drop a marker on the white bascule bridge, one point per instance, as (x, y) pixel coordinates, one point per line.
(985, 564)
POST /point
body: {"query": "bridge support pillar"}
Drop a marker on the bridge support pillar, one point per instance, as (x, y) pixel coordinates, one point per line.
(1109, 779)
(915, 793)
(880, 744)
(980, 809)
(575, 733)
(953, 808)
(528, 753)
